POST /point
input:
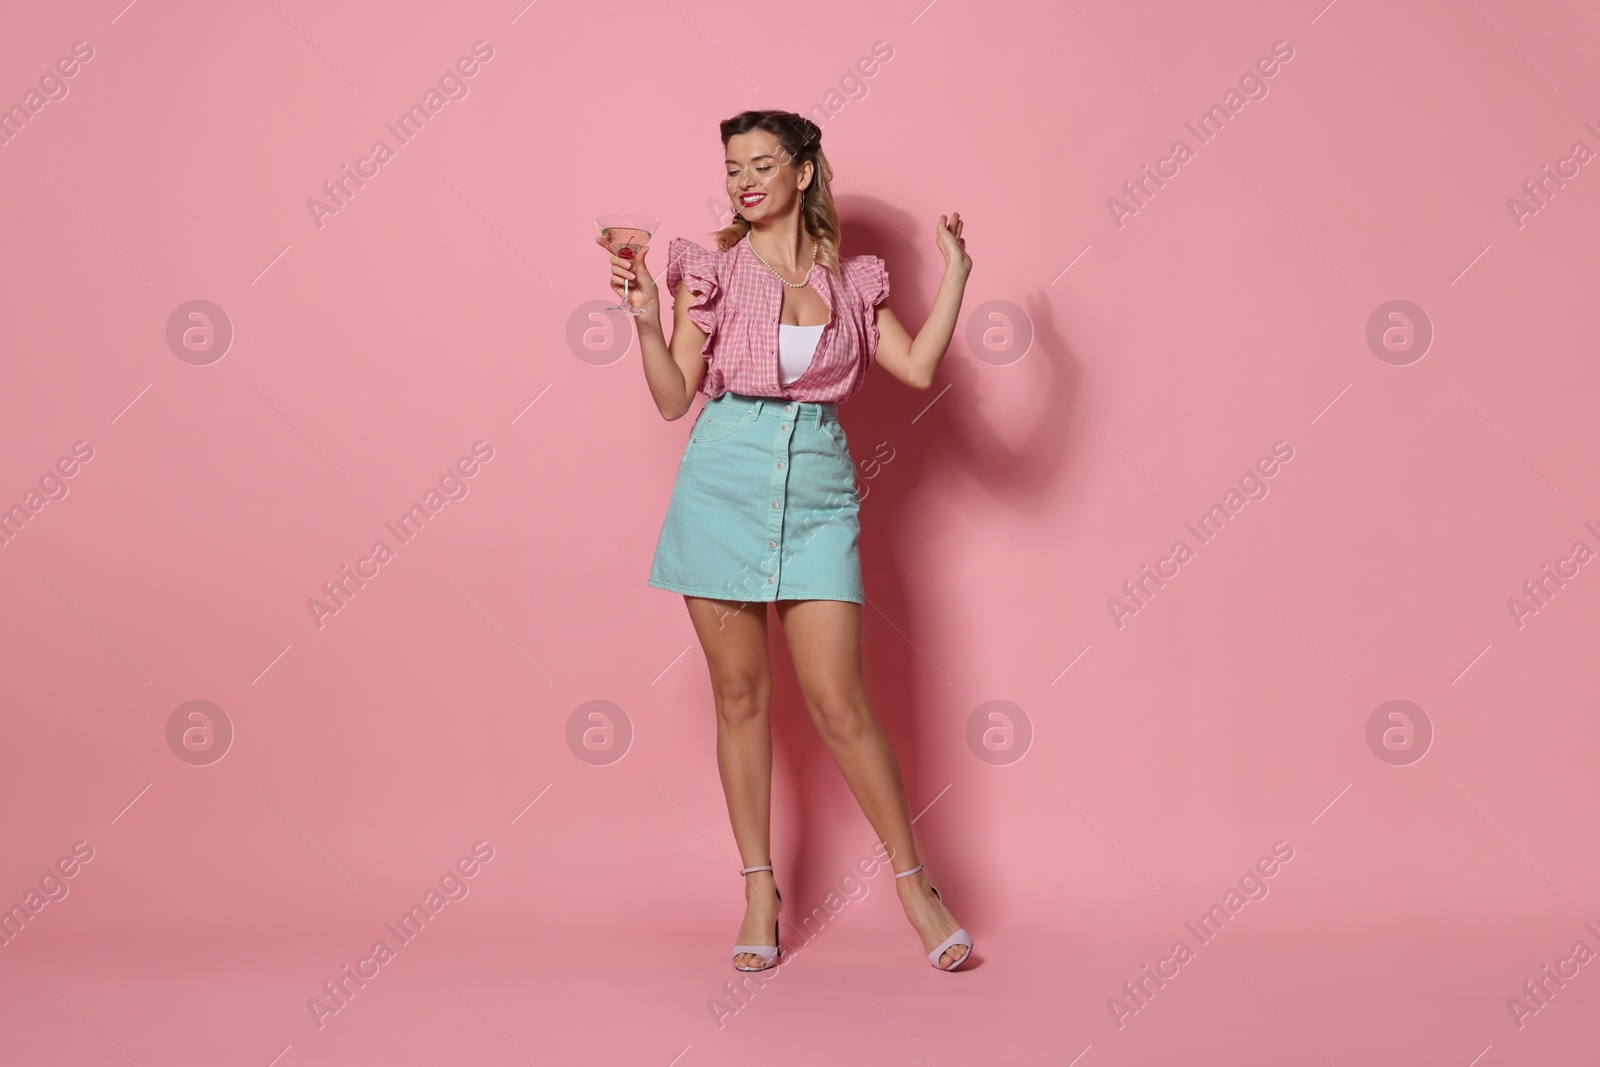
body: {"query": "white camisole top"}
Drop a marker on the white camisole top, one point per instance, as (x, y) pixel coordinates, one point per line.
(796, 346)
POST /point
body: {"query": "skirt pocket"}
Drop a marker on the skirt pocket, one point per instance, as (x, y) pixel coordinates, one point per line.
(714, 425)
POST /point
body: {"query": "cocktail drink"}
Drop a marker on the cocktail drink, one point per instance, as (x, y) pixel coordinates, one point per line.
(626, 236)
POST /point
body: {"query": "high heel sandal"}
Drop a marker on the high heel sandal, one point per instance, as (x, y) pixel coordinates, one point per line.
(768, 953)
(960, 937)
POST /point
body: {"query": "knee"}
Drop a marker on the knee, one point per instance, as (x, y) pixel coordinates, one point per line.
(740, 699)
(840, 719)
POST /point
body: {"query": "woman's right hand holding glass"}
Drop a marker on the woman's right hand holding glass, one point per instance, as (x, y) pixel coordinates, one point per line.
(641, 286)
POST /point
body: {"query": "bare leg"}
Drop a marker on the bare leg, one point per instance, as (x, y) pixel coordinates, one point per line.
(733, 635)
(824, 638)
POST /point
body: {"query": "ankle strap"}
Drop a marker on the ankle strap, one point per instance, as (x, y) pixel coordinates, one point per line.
(748, 870)
(908, 874)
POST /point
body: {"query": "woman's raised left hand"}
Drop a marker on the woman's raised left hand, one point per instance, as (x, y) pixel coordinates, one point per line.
(947, 231)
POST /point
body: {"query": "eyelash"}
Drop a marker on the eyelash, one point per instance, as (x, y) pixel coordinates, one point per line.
(763, 170)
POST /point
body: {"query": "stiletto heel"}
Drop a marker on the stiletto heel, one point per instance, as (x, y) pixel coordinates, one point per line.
(768, 953)
(960, 937)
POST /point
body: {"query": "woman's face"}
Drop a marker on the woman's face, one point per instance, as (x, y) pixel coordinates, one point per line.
(762, 183)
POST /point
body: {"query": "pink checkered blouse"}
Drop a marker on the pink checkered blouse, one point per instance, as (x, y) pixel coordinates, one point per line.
(737, 303)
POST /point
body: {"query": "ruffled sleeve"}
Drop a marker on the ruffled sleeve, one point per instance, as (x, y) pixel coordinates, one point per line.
(872, 283)
(872, 279)
(694, 266)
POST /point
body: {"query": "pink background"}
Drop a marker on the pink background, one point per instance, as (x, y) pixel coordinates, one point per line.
(1167, 755)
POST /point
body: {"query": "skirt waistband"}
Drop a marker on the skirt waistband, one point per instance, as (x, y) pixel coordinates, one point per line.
(814, 411)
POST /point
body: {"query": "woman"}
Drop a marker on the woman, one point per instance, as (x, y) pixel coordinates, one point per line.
(776, 330)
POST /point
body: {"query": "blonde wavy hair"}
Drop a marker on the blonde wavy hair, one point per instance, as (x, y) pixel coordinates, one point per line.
(800, 142)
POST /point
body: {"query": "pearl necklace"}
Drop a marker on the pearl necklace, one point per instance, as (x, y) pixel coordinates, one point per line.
(801, 284)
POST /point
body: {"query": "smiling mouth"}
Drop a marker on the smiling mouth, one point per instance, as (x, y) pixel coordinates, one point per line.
(751, 199)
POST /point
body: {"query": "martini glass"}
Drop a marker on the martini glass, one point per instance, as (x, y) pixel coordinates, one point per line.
(626, 236)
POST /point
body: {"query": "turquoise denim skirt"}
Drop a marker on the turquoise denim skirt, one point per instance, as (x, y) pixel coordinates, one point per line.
(765, 506)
